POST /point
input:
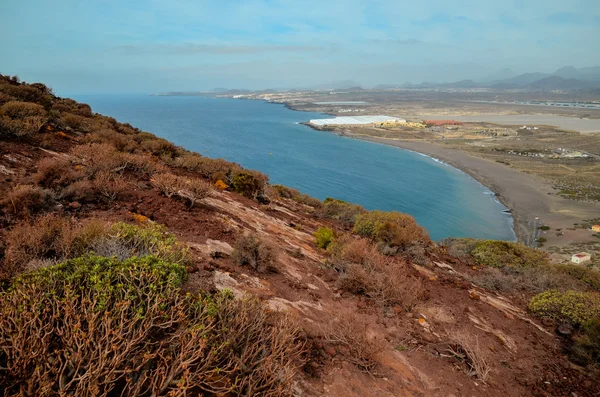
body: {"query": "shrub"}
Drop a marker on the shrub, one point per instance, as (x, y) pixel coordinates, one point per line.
(250, 250)
(191, 189)
(142, 164)
(323, 237)
(364, 270)
(147, 239)
(459, 247)
(586, 347)
(341, 210)
(391, 228)
(207, 167)
(21, 127)
(159, 146)
(55, 172)
(26, 200)
(590, 277)
(466, 349)
(503, 253)
(121, 142)
(250, 184)
(573, 307)
(293, 194)
(49, 238)
(526, 279)
(98, 157)
(74, 121)
(108, 186)
(125, 329)
(348, 333)
(21, 110)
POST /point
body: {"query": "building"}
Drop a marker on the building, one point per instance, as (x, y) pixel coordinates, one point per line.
(596, 228)
(581, 257)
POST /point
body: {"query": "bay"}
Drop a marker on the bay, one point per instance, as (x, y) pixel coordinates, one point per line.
(268, 137)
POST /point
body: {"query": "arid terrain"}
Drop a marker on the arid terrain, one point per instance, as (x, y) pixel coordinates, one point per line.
(267, 291)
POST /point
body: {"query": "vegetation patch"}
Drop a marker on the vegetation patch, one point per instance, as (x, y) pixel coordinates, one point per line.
(577, 308)
(125, 328)
(324, 236)
(391, 228)
(249, 250)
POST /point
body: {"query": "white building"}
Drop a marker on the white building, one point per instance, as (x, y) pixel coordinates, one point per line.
(356, 120)
(581, 257)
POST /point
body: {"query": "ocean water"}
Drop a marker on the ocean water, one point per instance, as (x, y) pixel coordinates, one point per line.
(268, 138)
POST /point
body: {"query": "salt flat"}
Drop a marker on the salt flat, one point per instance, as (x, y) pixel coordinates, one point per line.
(566, 123)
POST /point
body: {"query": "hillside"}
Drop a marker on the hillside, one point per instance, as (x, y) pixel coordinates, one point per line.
(130, 266)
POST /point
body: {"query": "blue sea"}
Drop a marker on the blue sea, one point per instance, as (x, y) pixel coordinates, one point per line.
(268, 137)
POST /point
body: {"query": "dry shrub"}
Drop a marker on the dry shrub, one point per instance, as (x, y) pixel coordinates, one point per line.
(142, 164)
(467, 350)
(293, 194)
(250, 184)
(82, 190)
(121, 142)
(207, 167)
(19, 128)
(143, 338)
(26, 200)
(98, 157)
(49, 238)
(532, 280)
(391, 228)
(55, 172)
(74, 121)
(341, 210)
(348, 332)
(21, 110)
(159, 146)
(252, 251)
(190, 189)
(364, 270)
(108, 186)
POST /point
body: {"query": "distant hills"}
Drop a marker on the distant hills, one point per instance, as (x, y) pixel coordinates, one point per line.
(567, 78)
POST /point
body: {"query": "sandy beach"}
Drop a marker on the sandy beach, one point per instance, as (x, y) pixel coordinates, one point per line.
(525, 195)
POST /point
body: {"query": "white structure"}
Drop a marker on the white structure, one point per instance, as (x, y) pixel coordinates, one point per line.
(581, 257)
(356, 120)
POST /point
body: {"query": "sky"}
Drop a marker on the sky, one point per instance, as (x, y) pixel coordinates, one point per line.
(146, 46)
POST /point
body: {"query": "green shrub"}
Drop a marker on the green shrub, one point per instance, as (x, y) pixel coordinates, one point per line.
(294, 194)
(21, 110)
(341, 210)
(574, 307)
(250, 184)
(323, 237)
(586, 347)
(391, 228)
(590, 277)
(503, 253)
(459, 247)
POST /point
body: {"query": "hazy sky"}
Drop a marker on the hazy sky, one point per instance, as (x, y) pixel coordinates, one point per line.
(93, 46)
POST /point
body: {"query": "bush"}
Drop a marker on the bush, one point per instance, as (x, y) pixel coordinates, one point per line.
(323, 237)
(250, 184)
(364, 270)
(348, 333)
(75, 122)
(49, 238)
(293, 194)
(125, 328)
(53, 172)
(391, 228)
(191, 189)
(250, 250)
(590, 277)
(526, 279)
(503, 253)
(21, 110)
(341, 210)
(573, 307)
(207, 167)
(98, 157)
(159, 146)
(26, 200)
(19, 128)
(586, 347)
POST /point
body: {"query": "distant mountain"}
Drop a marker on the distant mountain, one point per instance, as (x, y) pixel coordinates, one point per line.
(522, 79)
(462, 84)
(559, 83)
(338, 85)
(386, 86)
(501, 74)
(587, 74)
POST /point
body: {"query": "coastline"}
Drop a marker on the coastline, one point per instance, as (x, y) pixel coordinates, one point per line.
(526, 196)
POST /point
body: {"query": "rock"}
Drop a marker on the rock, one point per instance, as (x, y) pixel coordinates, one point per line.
(214, 248)
(474, 295)
(565, 329)
(75, 205)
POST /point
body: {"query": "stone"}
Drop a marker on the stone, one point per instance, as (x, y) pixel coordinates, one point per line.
(565, 329)
(75, 205)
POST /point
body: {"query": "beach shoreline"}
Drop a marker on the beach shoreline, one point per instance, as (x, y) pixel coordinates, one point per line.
(526, 196)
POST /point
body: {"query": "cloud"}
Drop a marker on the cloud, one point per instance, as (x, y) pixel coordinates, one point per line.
(223, 49)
